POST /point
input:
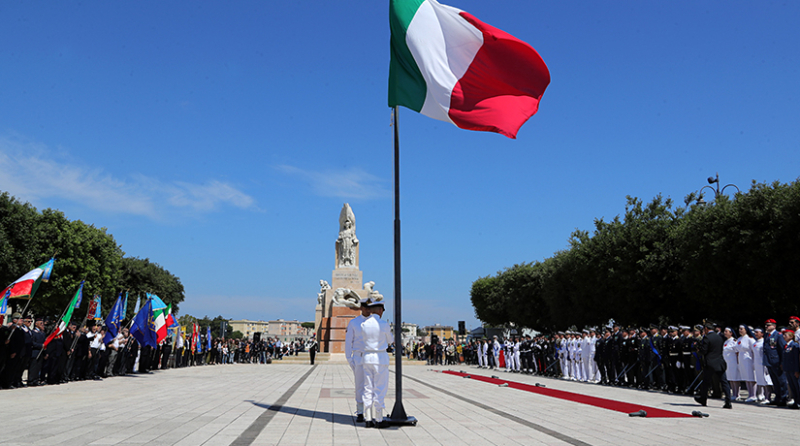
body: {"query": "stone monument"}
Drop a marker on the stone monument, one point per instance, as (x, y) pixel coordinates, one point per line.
(338, 302)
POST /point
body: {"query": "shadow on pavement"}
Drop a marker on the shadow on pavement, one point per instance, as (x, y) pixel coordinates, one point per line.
(337, 418)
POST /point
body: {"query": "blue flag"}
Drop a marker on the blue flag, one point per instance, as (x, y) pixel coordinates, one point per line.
(80, 298)
(112, 321)
(97, 308)
(208, 337)
(48, 270)
(141, 326)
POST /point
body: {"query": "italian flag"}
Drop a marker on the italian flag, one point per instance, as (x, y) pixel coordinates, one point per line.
(25, 287)
(62, 324)
(159, 318)
(450, 66)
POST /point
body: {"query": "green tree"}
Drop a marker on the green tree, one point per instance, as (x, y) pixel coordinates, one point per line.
(141, 276)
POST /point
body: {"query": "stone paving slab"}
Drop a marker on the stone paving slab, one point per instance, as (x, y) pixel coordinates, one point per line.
(216, 405)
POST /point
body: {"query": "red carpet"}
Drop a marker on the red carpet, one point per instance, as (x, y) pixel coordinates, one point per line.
(619, 406)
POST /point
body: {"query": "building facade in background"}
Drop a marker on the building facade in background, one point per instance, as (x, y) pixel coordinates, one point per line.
(288, 331)
(247, 327)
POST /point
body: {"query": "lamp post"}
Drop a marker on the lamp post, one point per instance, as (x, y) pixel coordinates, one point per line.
(717, 191)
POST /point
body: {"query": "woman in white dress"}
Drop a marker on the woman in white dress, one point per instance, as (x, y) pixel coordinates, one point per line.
(763, 381)
(744, 350)
(729, 355)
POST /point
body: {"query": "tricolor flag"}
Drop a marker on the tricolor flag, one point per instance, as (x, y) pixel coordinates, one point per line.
(125, 307)
(172, 323)
(62, 324)
(159, 318)
(25, 287)
(450, 66)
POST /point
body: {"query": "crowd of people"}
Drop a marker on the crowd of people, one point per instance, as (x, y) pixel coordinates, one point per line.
(761, 365)
(82, 354)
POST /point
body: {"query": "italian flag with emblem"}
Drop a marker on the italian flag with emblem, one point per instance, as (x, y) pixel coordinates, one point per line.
(25, 287)
(450, 66)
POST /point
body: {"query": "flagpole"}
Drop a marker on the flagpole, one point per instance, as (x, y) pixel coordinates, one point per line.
(60, 317)
(398, 416)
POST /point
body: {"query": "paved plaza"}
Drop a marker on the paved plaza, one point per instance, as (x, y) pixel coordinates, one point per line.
(298, 404)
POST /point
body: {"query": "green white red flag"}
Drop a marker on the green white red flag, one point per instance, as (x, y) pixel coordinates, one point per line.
(62, 324)
(159, 320)
(450, 66)
(25, 287)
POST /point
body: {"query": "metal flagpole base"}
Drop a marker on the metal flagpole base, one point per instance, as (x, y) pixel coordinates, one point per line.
(399, 417)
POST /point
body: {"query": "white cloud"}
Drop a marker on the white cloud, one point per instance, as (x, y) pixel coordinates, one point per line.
(352, 183)
(30, 172)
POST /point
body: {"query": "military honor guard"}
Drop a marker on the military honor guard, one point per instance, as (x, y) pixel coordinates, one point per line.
(354, 352)
(375, 364)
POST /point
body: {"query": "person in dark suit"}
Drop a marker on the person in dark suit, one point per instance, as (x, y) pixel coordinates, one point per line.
(14, 340)
(37, 359)
(714, 366)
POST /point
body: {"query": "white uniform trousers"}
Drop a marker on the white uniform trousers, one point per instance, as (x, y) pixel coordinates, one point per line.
(516, 361)
(358, 375)
(376, 384)
(481, 358)
(587, 370)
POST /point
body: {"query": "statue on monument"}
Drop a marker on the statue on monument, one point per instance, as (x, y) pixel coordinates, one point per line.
(372, 295)
(323, 287)
(346, 298)
(347, 242)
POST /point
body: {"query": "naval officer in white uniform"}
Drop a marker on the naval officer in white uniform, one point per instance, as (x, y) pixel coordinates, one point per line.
(353, 351)
(375, 363)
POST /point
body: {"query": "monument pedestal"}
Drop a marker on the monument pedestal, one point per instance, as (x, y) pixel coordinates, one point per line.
(334, 329)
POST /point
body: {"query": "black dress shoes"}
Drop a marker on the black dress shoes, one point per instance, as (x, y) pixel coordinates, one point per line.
(727, 405)
(360, 418)
(700, 401)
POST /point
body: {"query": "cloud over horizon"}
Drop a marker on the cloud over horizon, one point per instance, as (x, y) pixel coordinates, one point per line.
(30, 172)
(351, 183)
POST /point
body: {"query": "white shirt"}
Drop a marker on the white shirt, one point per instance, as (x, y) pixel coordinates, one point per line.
(377, 336)
(97, 340)
(353, 338)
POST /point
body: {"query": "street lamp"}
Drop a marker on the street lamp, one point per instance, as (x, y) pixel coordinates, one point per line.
(717, 191)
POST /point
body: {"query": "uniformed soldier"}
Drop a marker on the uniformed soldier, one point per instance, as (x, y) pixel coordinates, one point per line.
(375, 363)
(645, 351)
(354, 352)
(672, 348)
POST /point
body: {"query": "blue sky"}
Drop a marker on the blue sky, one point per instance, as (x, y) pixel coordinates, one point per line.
(220, 139)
